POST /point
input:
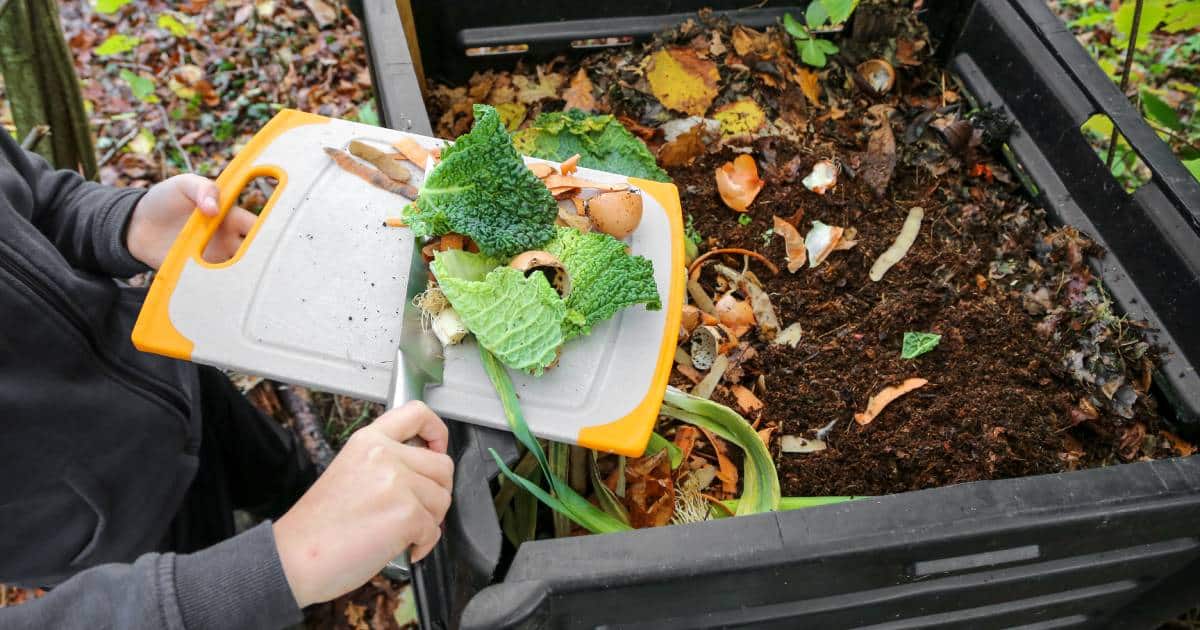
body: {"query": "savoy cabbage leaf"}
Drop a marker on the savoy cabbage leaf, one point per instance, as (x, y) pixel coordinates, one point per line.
(456, 263)
(518, 318)
(601, 142)
(604, 278)
(483, 190)
(918, 343)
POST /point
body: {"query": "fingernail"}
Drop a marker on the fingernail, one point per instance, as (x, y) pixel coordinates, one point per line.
(209, 203)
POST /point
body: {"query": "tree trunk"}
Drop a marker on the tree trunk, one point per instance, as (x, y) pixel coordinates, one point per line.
(42, 86)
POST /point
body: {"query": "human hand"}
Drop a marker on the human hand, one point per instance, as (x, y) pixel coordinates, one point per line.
(378, 498)
(162, 212)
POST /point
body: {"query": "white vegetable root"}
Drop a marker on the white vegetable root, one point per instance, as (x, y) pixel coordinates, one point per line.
(904, 240)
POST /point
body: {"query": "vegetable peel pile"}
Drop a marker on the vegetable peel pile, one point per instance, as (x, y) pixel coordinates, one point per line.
(511, 306)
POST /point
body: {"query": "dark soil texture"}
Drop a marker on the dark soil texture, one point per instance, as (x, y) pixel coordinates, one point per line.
(998, 403)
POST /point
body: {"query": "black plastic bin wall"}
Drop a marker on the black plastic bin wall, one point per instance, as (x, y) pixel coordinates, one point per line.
(1115, 547)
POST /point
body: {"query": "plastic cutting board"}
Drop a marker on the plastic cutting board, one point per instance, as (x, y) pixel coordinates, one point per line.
(314, 297)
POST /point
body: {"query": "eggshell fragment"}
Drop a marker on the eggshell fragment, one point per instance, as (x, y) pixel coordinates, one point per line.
(793, 244)
(540, 170)
(616, 213)
(822, 178)
(534, 261)
(738, 182)
(737, 315)
(820, 242)
(878, 74)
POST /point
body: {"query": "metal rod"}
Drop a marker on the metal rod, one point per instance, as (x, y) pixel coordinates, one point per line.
(1137, 18)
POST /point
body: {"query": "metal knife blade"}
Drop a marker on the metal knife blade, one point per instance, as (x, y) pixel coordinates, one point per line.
(419, 363)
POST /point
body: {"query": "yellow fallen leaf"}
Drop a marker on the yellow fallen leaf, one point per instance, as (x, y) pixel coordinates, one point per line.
(511, 114)
(579, 94)
(746, 400)
(741, 117)
(545, 86)
(682, 81)
(885, 396)
(810, 84)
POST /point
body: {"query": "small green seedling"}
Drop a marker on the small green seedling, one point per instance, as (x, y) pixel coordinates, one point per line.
(821, 14)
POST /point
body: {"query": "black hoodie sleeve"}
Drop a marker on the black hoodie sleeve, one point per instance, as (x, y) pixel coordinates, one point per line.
(238, 584)
(86, 221)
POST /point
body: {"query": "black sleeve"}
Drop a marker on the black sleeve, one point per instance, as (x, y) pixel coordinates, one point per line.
(86, 221)
(238, 584)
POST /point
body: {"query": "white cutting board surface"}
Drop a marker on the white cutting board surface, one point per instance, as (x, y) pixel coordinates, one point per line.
(315, 297)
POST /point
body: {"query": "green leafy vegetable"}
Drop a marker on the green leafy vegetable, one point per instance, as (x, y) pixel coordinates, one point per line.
(604, 279)
(483, 190)
(456, 263)
(760, 485)
(117, 44)
(601, 142)
(517, 318)
(918, 343)
(564, 500)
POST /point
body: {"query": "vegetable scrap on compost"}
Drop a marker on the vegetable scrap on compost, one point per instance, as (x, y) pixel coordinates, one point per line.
(912, 254)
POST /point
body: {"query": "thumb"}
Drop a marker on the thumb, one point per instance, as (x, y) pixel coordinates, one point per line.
(200, 191)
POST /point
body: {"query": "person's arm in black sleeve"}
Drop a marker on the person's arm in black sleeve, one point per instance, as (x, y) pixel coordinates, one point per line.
(86, 221)
(238, 583)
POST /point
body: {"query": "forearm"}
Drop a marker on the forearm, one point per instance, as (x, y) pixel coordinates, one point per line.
(236, 584)
(86, 221)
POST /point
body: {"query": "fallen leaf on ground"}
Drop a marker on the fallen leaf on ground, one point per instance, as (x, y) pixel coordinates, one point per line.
(579, 95)
(810, 84)
(512, 114)
(740, 117)
(532, 90)
(906, 51)
(765, 435)
(322, 12)
(879, 162)
(738, 182)
(650, 490)
(797, 444)
(686, 139)
(885, 396)
(356, 616)
(746, 400)
(793, 244)
(685, 440)
(726, 471)
(682, 81)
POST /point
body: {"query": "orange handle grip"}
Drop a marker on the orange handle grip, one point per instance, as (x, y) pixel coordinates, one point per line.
(154, 331)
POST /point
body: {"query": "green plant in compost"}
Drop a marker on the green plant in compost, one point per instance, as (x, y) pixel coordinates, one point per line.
(821, 14)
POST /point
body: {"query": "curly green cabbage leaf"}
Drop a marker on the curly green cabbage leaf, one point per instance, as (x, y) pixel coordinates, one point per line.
(604, 278)
(483, 190)
(517, 318)
(601, 142)
(456, 263)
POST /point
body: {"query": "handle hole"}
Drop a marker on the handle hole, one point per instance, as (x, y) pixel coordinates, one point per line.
(241, 219)
(1127, 168)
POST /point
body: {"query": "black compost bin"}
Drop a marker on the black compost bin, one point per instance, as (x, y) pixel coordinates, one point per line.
(1117, 546)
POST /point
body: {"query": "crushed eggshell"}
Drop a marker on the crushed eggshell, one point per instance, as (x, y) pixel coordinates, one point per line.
(789, 336)
(820, 242)
(541, 170)
(555, 180)
(822, 178)
(793, 244)
(735, 314)
(738, 182)
(797, 444)
(413, 152)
